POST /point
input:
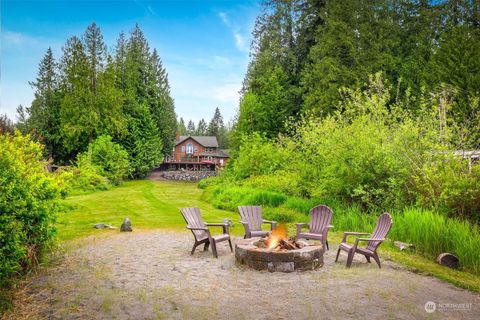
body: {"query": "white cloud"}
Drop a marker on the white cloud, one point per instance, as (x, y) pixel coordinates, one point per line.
(152, 12)
(239, 38)
(15, 38)
(224, 18)
(240, 42)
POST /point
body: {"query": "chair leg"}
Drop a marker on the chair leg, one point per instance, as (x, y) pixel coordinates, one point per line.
(205, 247)
(351, 253)
(326, 242)
(230, 243)
(194, 247)
(214, 249)
(338, 253)
(377, 260)
(368, 259)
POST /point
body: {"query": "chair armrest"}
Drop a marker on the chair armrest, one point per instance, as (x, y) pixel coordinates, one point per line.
(330, 226)
(197, 228)
(268, 221)
(225, 226)
(246, 226)
(273, 224)
(302, 224)
(370, 239)
(216, 224)
(346, 234)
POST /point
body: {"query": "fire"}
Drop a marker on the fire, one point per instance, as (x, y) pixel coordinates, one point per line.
(280, 233)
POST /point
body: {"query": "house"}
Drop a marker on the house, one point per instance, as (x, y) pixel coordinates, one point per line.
(196, 153)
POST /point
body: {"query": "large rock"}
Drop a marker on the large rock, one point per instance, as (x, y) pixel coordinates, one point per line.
(126, 226)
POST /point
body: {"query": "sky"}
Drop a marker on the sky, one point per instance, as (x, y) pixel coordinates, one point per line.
(203, 44)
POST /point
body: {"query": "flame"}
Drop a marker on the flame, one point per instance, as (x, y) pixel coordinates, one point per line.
(278, 234)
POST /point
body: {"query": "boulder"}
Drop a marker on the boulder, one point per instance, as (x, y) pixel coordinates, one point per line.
(126, 226)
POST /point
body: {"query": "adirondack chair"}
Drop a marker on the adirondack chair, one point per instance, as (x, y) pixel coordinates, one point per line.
(252, 221)
(320, 217)
(201, 233)
(384, 224)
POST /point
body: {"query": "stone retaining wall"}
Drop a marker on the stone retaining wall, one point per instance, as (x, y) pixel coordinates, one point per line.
(187, 175)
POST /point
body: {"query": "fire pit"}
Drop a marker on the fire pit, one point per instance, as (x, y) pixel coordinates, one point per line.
(277, 253)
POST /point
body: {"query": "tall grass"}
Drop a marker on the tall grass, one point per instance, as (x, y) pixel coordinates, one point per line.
(432, 233)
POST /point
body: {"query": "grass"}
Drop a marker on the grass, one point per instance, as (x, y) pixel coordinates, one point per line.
(148, 204)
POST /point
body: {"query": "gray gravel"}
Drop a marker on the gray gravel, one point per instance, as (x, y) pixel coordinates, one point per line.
(151, 275)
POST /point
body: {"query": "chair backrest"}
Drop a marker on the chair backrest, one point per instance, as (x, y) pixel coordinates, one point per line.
(320, 217)
(384, 223)
(193, 218)
(252, 215)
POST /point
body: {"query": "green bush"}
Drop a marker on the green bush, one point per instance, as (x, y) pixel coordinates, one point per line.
(85, 178)
(108, 158)
(29, 197)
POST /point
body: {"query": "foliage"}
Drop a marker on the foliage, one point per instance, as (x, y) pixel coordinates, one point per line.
(305, 51)
(28, 204)
(110, 158)
(372, 154)
(6, 125)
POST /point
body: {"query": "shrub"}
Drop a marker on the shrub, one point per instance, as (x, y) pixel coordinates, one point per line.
(85, 178)
(29, 197)
(106, 157)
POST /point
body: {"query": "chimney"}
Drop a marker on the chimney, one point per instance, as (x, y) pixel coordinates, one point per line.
(177, 136)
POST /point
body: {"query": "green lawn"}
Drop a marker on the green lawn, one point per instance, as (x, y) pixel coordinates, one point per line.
(155, 204)
(148, 204)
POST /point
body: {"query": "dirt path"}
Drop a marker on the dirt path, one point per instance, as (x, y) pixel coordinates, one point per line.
(152, 276)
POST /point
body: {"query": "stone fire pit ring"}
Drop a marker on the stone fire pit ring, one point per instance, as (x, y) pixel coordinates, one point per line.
(310, 257)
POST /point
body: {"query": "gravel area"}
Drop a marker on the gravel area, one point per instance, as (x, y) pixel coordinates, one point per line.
(151, 275)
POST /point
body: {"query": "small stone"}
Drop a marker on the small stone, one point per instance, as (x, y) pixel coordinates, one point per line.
(126, 226)
(402, 246)
(103, 226)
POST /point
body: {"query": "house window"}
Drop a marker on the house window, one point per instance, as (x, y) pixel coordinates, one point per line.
(183, 148)
(209, 149)
(190, 148)
(196, 149)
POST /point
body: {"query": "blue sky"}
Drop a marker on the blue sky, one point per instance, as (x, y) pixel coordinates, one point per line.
(203, 44)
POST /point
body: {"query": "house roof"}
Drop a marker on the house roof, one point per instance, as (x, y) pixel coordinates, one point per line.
(206, 141)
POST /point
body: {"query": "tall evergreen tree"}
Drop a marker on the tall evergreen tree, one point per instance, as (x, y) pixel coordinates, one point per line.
(191, 131)
(161, 103)
(6, 125)
(43, 114)
(181, 128)
(202, 128)
(216, 123)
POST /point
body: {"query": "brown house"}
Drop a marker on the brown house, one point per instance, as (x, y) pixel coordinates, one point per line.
(196, 153)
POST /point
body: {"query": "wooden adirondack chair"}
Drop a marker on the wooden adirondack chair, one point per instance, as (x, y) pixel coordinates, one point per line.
(201, 232)
(320, 217)
(384, 224)
(252, 221)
